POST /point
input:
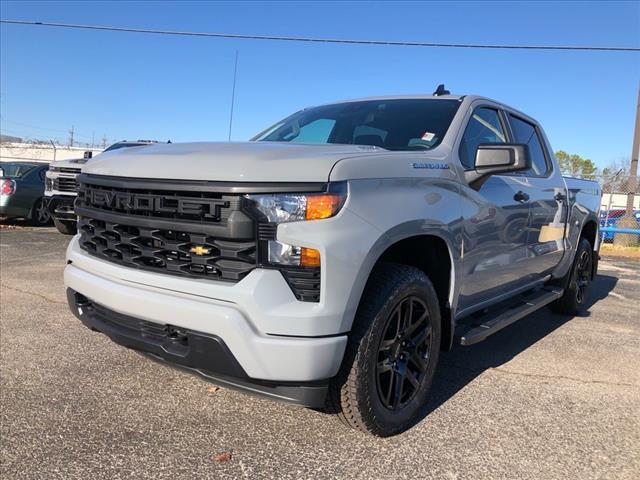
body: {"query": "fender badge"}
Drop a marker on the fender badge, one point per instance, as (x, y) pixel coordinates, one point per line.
(431, 166)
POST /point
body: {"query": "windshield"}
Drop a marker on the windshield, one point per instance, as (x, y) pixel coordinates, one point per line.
(117, 146)
(402, 124)
(14, 170)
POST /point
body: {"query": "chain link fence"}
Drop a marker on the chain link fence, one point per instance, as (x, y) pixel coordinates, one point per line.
(620, 209)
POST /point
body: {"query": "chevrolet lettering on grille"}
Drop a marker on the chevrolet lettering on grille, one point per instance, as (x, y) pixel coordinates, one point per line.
(206, 207)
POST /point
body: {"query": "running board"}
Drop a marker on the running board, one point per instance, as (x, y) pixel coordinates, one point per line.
(493, 322)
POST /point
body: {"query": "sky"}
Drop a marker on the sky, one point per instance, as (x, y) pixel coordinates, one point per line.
(131, 86)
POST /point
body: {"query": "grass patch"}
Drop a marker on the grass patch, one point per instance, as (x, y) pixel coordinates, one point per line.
(611, 250)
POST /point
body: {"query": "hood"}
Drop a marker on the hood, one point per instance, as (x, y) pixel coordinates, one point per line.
(72, 163)
(227, 162)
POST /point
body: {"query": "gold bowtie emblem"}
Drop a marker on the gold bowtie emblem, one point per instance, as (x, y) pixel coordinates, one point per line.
(199, 250)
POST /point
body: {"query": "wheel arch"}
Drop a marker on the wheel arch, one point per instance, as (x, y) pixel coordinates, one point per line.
(430, 249)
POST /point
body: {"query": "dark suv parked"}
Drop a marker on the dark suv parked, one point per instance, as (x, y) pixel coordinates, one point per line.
(22, 191)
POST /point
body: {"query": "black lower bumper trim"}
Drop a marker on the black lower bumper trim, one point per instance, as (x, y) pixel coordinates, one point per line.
(200, 353)
(61, 207)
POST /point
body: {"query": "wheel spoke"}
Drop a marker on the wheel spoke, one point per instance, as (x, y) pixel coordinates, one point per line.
(402, 318)
(384, 366)
(386, 345)
(415, 325)
(412, 379)
(397, 316)
(419, 361)
(408, 316)
(387, 399)
(423, 336)
(399, 390)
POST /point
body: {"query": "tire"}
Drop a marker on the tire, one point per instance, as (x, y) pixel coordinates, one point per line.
(377, 363)
(66, 227)
(40, 216)
(575, 294)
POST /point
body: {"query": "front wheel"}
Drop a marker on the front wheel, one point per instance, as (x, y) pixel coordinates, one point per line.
(575, 295)
(392, 353)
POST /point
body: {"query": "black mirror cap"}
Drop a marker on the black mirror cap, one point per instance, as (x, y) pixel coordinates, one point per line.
(496, 158)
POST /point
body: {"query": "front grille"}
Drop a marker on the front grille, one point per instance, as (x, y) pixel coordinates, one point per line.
(65, 184)
(65, 170)
(184, 232)
(188, 229)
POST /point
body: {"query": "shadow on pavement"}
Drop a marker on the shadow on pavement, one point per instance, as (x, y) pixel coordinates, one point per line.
(15, 223)
(462, 365)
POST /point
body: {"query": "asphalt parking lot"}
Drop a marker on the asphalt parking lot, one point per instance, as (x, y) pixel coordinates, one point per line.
(549, 397)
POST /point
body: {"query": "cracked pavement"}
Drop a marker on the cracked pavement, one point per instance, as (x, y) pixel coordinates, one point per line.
(549, 397)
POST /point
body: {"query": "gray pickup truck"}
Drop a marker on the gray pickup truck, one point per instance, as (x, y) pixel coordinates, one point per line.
(328, 261)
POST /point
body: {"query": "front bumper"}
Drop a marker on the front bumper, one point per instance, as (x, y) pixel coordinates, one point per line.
(256, 319)
(61, 207)
(203, 354)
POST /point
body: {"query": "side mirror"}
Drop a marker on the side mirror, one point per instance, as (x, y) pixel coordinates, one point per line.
(496, 158)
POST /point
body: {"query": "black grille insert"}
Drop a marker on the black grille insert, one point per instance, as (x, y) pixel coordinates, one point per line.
(193, 234)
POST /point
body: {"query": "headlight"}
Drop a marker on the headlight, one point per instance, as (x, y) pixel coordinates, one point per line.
(286, 207)
(275, 208)
(284, 254)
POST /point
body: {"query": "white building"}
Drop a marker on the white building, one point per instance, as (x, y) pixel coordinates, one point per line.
(46, 153)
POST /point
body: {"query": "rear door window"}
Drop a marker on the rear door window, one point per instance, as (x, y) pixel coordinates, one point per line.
(526, 133)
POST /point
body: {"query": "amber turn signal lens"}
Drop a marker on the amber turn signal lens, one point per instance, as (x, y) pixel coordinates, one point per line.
(309, 257)
(322, 206)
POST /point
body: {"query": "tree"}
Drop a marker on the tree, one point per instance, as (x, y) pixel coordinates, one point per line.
(573, 164)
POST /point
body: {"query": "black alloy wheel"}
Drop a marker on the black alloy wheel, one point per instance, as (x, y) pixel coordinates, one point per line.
(578, 280)
(403, 354)
(583, 275)
(392, 352)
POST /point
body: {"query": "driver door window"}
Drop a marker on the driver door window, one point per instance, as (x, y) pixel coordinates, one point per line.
(484, 127)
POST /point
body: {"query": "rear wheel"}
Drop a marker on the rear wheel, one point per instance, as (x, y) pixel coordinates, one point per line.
(392, 353)
(40, 216)
(575, 295)
(66, 227)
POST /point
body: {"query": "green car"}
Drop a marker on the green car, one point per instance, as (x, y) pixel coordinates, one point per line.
(22, 191)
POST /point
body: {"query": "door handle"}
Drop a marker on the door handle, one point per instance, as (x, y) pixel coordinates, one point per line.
(521, 197)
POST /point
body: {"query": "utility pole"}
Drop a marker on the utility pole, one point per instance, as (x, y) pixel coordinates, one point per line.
(104, 141)
(233, 94)
(628, 220)
(93, 137)
(71, 132)
(55, 150)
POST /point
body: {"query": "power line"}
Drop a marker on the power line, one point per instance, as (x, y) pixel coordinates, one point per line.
(396, 43)
(86, 137)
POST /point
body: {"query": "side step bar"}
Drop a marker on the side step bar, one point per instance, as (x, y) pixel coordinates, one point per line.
(493, 322)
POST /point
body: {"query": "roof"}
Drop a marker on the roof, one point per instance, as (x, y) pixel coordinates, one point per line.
(425, 96)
